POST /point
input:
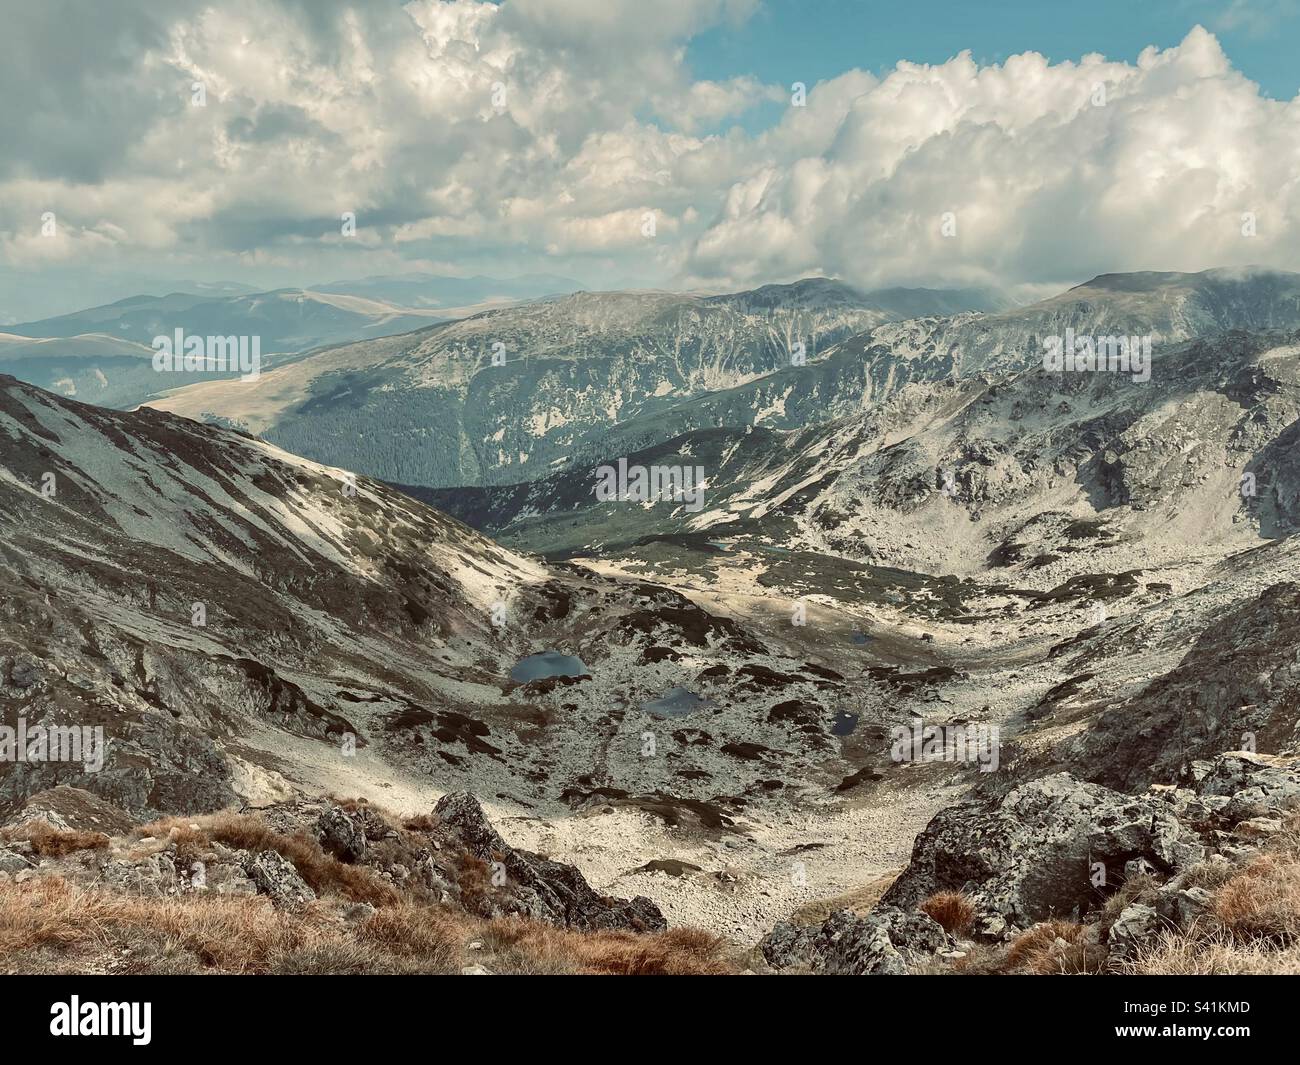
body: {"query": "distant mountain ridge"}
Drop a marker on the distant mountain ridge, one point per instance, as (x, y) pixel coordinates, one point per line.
(946, 475)
(97, 354)
(286, 319)
(505, 394)
(436, 291)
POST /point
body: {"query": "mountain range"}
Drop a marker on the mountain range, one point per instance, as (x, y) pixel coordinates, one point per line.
(102, 354)
(382, 571)
(599, 373)
(507, 394)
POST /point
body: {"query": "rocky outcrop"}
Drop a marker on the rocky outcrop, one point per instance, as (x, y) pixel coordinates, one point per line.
(1238, 687)
(1059, 848)
(1046, 849)
(145, 762)
(454, 858)
(1136, 924)
(69, 809)
(844, 945)
(883, 943)
(346, 833)
(537, 887)
(276, 877)
(12, 862)
(1238, 787)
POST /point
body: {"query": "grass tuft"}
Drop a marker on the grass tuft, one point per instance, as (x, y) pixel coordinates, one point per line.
(952, 910)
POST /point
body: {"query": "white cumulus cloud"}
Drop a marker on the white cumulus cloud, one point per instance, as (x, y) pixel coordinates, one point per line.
(543, 134)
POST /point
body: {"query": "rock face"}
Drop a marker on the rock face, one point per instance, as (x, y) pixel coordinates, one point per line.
(1046, 849)
(573, 367)
(12, 862)
(342, 833)
(1057, 847)
(1239, 684)
(1241, 787)
(883, 943)
(1135, 925)
(535, 886)
(276, 877)
(152, 764)
(69, 809)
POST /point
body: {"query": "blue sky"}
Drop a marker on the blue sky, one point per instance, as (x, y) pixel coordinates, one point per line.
(812, 40)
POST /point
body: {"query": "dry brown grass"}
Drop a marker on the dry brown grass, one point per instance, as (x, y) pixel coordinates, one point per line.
(474, 879)
(1262, 901)
(1253, 923)
(323, 872)
(1288, 840)
(1036, 950)
(234, 935)
(1209, 875)
(1213, 953)
(1051, 948)
(51, 842)
(544, 948)
(859, 901)
(1134, 889)
(981, 959)
(45, 922)
(48, 925)
(952, 910)
(1077, 958)
(415, 931)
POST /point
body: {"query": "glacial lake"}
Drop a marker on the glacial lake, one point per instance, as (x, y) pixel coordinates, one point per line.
(675, 702)
(547, 664)
(844, 724)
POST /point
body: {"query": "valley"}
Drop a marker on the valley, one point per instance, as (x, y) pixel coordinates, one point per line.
(692, 705)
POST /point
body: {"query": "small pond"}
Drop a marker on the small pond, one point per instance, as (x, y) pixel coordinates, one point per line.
(844, 723)
(675, 702)
(547, 664)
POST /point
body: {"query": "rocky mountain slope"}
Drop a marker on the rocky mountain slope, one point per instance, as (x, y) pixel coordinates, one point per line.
(1087, 584)
(182, 585)
(611, 373)
(505, 395)
(245, 628)
(1033, 474)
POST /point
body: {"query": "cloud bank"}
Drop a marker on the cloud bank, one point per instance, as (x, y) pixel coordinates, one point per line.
(571, 134)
